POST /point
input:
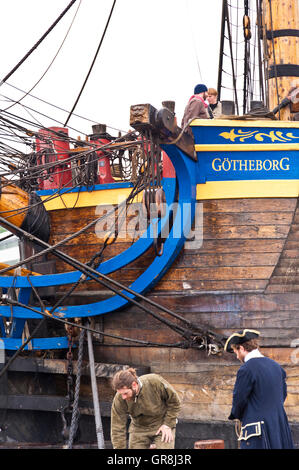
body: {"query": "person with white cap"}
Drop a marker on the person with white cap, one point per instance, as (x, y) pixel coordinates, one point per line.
(259, 394)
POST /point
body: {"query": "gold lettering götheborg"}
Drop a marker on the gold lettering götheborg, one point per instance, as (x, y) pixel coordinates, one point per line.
(227, 164)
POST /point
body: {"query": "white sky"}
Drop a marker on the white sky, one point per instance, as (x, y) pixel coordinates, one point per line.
(150, 53)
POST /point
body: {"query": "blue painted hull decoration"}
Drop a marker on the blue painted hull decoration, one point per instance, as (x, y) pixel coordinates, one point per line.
(227, 152)
(240, 166)
(181, 227)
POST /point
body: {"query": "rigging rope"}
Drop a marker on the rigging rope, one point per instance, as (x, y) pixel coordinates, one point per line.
(51, 63)
(38, 42)
(231, 52)
(85, 269)
(58, 107)
(253, 76)
(187, 333)
(193, 41)
(92, 64)
(182, 344)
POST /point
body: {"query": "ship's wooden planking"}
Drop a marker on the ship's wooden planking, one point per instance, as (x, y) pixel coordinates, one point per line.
(247, 245)
(244, 275)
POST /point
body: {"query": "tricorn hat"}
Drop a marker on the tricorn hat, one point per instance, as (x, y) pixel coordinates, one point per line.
(240, 338)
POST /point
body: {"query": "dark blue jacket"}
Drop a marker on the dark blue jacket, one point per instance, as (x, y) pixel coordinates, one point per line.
(259, 394)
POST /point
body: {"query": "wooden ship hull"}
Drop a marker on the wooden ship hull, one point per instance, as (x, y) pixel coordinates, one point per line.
(236, 267)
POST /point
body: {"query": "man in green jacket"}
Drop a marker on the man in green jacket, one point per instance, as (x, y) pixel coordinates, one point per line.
(153, 406)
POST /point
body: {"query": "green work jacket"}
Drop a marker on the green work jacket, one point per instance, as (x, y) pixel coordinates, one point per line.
(157, 403)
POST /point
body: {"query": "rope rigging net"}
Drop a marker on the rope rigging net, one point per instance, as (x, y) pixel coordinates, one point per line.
(241, 77)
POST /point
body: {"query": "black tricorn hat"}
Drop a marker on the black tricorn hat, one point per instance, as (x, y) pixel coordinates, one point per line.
(240, 338)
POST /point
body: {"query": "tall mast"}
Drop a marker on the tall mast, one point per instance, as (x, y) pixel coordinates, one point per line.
(281, 39)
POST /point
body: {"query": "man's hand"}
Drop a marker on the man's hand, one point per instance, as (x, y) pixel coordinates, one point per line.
(166, 433)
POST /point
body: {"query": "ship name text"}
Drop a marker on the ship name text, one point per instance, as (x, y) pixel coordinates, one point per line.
(229, 164)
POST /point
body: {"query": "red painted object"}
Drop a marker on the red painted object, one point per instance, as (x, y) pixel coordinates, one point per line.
(52, 148)
(168, 168)
(104, 170)
(209, 444)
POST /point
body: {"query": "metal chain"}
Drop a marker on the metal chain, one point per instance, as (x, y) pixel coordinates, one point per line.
(69, 384)
(76, 412)
(69, 355)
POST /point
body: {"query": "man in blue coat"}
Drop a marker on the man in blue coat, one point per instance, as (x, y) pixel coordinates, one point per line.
(259, 394)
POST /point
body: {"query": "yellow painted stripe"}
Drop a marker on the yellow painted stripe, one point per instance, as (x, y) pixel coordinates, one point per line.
(243, 123)
(209, 190)
(247, 189)
(244, 147)
(89, 199)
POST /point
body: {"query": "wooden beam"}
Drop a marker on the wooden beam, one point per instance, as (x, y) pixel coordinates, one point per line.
(23, 271)
(60, 366)
(50, 403)
(162, 123)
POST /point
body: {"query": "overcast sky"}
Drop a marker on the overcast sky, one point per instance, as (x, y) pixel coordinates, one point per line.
(154, 50)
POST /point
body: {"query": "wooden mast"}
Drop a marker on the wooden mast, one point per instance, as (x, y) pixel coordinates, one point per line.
(281, 33)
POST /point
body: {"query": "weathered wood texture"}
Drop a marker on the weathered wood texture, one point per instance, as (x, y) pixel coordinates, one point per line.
(205, 383)
(242, 275)
(241, 245)
(285, 277)
(274, 315)
(84, 246)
